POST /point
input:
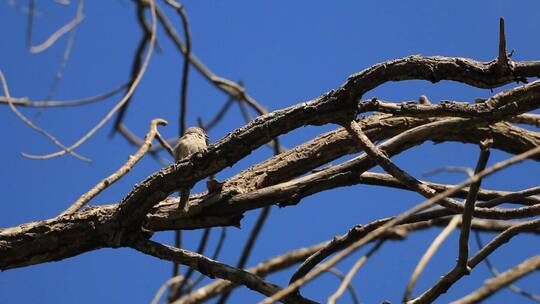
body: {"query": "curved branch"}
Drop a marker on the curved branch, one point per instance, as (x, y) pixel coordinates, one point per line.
(428, 254)
(70, 26)
(345, 174)
(262, 269)
(502, 280)
(212, 268)
(455, 274)
(132, 160)
(124, 99)
(437, 198)
(334, 106)
(25, 102)
(31, 124)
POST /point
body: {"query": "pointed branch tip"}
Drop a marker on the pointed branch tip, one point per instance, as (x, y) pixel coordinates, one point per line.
(502, 58)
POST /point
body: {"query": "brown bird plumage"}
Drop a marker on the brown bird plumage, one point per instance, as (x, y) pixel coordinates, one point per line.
(193, 141)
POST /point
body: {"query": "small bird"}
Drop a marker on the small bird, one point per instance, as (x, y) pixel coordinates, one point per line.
(194, 140)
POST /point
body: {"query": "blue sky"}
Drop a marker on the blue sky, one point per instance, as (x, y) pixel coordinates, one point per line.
(285, 52)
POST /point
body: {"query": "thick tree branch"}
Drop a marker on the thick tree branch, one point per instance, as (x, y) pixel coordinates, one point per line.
(335, 106)
(56, 239)
(345, 174)
(437, 198)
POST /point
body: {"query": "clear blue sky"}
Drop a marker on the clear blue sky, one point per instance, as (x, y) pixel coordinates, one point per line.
(286, 52)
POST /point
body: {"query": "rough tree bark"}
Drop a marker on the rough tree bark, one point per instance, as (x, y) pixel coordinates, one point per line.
(291, 175)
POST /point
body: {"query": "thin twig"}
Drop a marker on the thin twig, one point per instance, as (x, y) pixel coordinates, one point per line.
(215, 256)
(254, 234)
(65, 58)
(163, 142)
(30, 23)
(456, 273)
(25, 102)
(452, 169)
(504, 279)
(27, 121)
(433, 247)
(262, 269)
(79, 17)
(120, 103)
(220, 243)
(491, 198)
(495, 272)
(185, 68)
(136, 63)
(350, 287)
(178, 290)
(470, 201)
(170, 282)
(111, 179)
(214, 121)
(212, 268)
(348, 278)
(137, 141)
(511, 197)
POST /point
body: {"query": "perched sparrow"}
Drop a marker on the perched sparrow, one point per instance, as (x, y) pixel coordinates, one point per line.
(193, 141)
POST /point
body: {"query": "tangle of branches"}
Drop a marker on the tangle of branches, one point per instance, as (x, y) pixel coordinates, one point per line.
(372, 130)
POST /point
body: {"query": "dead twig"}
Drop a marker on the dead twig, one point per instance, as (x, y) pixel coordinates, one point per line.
(348, 278)
(433, 247)
(405, 215)
(25, 102)
(31, 124)
(487, 261)
(504, 279)
(79, 17)
(111, 179)
(126, 97)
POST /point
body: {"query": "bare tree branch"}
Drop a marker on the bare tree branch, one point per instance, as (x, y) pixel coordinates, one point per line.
(348, 278)
(212, 268)
(70, 26)
(31, 124)
(111, 179)
(25, 102)
(399, 219)
(433, 247)
(455, 274)
(292, 175)
(495, 273)
(126, 97)
(502, 280)
(468, 211)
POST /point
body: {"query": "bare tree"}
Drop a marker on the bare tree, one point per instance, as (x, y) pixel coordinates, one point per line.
(373, 129)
